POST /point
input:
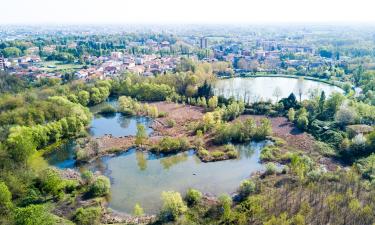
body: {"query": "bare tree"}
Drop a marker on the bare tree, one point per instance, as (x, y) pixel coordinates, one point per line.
(277, 93)
(300, 87)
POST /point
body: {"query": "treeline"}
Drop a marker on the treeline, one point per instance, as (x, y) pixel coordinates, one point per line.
(23, 141)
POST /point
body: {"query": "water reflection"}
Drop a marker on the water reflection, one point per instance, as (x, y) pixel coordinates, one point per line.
(264, 88)
(141, 159)
(118, 125)
(63, 155)
(140, 177)
(170, 161)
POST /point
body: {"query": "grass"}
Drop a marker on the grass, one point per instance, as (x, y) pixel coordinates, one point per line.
(59, 66)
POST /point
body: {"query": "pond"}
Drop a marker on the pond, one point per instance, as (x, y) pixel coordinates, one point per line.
(115, 124)
(140, 177)
(263, 88)
(118, 125)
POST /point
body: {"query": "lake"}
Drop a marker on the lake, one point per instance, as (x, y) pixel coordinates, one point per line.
(140, 177)
(263, 88)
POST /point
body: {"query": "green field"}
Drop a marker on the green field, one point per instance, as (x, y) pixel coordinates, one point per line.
(50, 66)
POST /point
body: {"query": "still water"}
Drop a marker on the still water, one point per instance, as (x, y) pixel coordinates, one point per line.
(263, 88)
(118, 125)
(140, 177)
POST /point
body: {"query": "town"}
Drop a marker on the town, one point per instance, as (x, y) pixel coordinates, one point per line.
(80, 56)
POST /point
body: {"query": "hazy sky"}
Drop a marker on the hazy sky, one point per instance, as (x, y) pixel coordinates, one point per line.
(185, 11)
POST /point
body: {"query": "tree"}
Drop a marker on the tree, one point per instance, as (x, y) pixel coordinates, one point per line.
(264, 130)
(87, 177)
(302, 122)
(322, 101)
(300, 88)
(21, 143)
(138, 211)
(205, 90)
(83, 97)
(141, 135)
(346, 115)
(246, 188)
(334, 102)
(173, 206)
(358, 74)
(193, 196)
(100, 187)
(277, 93)
(371, 140)
(88, 216)
(226, 204)
(281, 220)
(212, 103)
(51, 181)
(291, 114)
(5, 199)
(11, 52)
(289, 102)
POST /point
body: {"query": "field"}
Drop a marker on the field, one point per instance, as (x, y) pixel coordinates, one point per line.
(51, 66)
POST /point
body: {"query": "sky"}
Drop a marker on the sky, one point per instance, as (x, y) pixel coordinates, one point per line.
(185, 11)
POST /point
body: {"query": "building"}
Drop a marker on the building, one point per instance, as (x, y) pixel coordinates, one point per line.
(203, 42)
(2, 63)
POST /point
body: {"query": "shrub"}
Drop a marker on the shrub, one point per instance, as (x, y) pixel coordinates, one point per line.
(141, 135)
(33, 214)
(193, 196)
(302, 122)
(87, 177)
(70, 185)
(232, 154)
(333, 138)
(229, 147)
(51, 182)
(291, 114)
(203, 152)
(171, 145)
(138, 211)
(269, 153)
(270, 168)
(264, 130)
(225, 203)
(233, 110)
(247, 187)
(5, 199)
(163, 114)
(366, 166)
(88, 216)
(217, 154)
(279, 142)
(82, 154)
(173, 206)
(345, 115)
(324, 149)
(314, 175)
(170, 122)
(108, 109)
(213, 102)
(100, 187)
